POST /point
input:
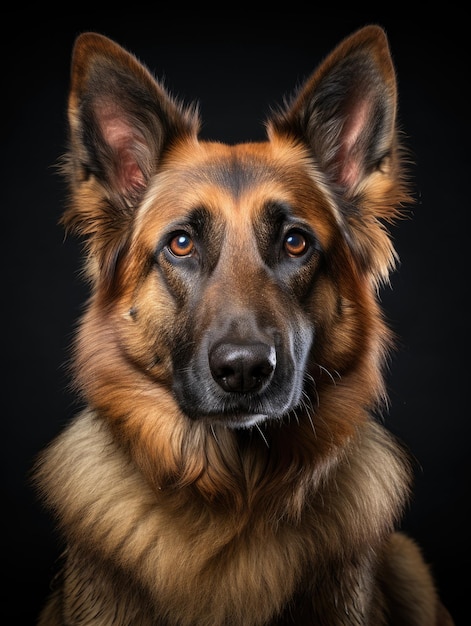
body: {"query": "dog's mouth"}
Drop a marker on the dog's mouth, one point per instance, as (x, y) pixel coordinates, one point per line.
(205, 400)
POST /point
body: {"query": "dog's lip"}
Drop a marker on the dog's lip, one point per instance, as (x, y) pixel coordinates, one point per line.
(240, 421)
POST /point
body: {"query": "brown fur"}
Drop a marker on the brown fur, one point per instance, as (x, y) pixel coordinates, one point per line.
(228, 468)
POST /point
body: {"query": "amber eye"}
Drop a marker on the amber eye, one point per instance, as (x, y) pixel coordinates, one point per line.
(181, 244)
(295, 244)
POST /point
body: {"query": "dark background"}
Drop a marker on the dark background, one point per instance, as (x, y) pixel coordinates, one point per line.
(238, 66)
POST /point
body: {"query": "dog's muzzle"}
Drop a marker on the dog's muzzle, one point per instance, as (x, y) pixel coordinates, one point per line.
(242, 378)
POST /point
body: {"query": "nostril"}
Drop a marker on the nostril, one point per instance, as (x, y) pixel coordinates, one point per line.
(242, 368)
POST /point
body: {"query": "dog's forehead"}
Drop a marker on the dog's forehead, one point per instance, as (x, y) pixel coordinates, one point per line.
(235, 168)
(237, 182)
(235, 172)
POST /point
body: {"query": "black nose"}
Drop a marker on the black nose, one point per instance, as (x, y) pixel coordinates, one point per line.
(242, 367)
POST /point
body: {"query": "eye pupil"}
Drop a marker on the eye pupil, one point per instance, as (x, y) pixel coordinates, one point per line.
(181, 245)
(295, 244)
(182, 241)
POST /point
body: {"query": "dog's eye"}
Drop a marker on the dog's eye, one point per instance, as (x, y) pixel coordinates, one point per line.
(181, 244)
(295, 244)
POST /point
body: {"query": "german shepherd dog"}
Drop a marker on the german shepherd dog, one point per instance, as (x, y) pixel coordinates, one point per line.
(230, 468)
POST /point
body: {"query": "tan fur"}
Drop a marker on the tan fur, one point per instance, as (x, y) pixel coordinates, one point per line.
(187, 495)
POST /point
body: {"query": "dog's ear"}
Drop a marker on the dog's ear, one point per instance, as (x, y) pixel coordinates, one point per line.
(346, 111)
(120, 117)
(120, 122)
(345, 114)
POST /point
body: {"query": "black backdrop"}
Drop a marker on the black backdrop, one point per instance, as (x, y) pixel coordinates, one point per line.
(237, 66)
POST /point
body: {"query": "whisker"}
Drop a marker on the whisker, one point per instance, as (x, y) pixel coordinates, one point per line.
(214, 435)
(329, 374)
(309, 416)
(262, 435)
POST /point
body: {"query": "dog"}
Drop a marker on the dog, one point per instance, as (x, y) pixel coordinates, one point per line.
(231, 467)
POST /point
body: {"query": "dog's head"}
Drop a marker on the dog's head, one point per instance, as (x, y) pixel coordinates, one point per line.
(234, 285)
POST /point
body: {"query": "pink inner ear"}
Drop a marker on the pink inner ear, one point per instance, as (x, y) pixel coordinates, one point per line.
(125, 145)
(130, 176)
(350, 173)
(351, 153)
